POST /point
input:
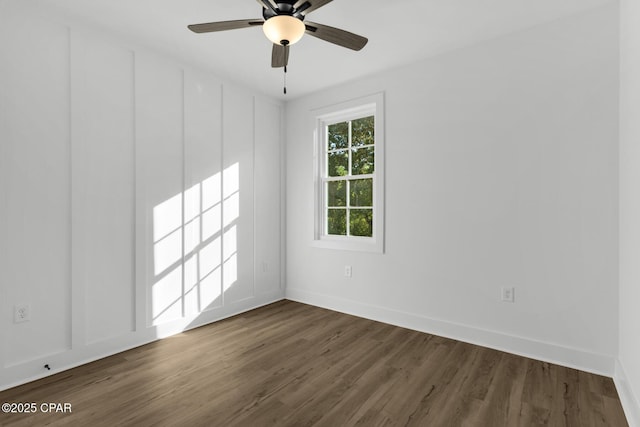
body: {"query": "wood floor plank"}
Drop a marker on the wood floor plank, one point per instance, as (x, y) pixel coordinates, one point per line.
(501, 404)
(290, 364)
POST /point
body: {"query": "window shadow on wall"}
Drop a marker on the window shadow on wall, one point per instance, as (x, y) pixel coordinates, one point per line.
(195, 247)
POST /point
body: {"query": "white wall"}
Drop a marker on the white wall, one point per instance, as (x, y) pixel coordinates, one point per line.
(628, 372)
(501, 170)
(132, 205)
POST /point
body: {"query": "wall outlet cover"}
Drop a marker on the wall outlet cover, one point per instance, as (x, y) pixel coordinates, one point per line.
(508, 294)
(347, 271)
(21, 313)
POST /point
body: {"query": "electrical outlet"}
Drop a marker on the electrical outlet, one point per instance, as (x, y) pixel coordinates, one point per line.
(21, 313)
(347, 271)
(508, 294)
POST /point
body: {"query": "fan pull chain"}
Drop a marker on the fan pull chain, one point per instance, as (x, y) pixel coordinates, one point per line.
(285, 80)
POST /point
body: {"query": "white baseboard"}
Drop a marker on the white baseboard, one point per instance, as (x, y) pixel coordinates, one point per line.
(629, 400)
(33, 370)
(566, 356)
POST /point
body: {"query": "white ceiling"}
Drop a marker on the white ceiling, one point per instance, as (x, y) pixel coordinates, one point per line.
(399, 32)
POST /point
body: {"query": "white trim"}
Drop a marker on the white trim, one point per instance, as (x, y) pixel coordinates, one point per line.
(630, 402)
(142, 221)
(575, 358)
(353, 109)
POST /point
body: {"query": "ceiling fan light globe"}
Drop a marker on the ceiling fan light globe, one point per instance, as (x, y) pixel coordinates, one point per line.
(283, 29)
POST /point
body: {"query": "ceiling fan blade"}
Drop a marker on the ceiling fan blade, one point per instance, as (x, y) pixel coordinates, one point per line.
(211, 27)
(336, 36)
(279, 56)
(315, 4)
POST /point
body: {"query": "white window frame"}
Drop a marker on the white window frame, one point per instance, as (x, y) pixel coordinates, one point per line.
(345, 111)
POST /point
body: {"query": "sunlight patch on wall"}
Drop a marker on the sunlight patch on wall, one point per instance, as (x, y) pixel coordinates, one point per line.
(188, 234)
(231, 212)
(167, 234)
(166, 298)
(230, 257)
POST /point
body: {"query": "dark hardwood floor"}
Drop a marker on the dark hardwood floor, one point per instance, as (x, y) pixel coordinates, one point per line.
(290, 364)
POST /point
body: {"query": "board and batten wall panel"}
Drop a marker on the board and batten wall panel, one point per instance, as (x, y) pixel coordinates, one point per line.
(113, 171)
(203, 193)
(159, 156)
(268, 122)
(237, 194)
(103, 196)
(36, 184)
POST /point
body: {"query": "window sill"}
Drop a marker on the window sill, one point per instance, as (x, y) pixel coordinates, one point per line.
(349, 244)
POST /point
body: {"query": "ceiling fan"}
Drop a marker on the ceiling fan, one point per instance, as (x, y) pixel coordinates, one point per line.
(284, 24)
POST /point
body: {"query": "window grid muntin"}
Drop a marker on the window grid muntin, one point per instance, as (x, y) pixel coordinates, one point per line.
(347, 178)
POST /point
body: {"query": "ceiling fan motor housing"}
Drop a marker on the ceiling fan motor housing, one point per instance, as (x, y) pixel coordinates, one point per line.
(285, 7)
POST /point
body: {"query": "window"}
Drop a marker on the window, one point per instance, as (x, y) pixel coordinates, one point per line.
(349, 179)
(349, 161)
